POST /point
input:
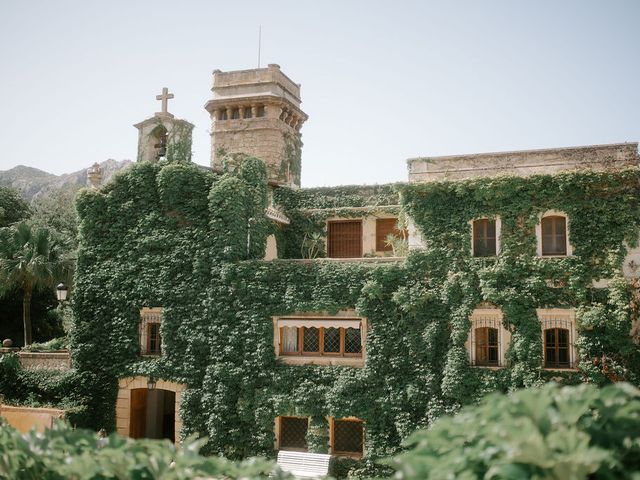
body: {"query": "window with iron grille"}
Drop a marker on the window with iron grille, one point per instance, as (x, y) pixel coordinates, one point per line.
(153, 339)
(556, 348)
(486, 346)
(348, 437)
(488, 338)
(344, 239)
(150, 340)
(324, 341)
(554, 235)
(293, 433)
(484, 237)
(558, 336)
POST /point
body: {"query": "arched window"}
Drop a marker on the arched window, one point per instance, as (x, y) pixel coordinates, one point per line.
(159, 136)
(488, 338)
(556, 348)
(487, 348)
(554, 235)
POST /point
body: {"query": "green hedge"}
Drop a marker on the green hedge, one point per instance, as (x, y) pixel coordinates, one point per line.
(556, 433)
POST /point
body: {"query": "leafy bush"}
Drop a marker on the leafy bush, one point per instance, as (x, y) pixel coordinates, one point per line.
(553, 432)
(64, 453)
(59, 343)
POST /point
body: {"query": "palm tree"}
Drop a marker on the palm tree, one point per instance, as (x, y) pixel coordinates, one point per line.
(28, 260)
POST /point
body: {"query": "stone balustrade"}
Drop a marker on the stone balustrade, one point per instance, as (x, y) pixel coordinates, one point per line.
(58, 360)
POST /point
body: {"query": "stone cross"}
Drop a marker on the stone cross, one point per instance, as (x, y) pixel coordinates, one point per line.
(164, 98)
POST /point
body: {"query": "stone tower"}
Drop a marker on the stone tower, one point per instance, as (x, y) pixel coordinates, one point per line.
(257, 112)
(163, 135)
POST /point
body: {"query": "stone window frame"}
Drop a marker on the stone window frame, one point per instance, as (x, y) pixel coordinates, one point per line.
(278, 431)
(354, 455)
(493, 318)
(344, 318)
(149, 316)
(559, 318)
(498, 234)
(553, 213)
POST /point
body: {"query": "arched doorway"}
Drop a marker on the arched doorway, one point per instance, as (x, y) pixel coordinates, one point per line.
(149, 409)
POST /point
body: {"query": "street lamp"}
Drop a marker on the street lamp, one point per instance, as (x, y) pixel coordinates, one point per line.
(151, 383)
(61, 292)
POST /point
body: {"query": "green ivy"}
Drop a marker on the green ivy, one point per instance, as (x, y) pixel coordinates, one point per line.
(189, 240)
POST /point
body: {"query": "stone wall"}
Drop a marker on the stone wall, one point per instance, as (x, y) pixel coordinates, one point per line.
(48, 360)
(24, 419)
(524, 163)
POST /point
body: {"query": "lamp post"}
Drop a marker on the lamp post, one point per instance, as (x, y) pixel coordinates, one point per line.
(61, 292)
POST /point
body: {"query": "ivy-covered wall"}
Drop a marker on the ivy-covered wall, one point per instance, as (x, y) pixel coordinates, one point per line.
(190, 241)
(309, 208)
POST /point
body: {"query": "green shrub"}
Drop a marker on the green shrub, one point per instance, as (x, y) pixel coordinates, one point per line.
(553, 432)
(64, 453)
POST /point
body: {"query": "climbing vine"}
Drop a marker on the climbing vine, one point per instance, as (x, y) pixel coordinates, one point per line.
(183, 238)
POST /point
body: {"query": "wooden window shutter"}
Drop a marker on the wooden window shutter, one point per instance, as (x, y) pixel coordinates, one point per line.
(384, 228)
(344, 239)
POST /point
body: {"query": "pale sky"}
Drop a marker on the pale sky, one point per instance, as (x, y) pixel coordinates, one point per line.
(382, 81)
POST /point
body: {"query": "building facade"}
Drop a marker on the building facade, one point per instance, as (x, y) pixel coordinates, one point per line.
(232, 304)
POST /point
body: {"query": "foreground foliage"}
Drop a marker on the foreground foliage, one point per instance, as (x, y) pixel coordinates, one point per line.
(552, 433)
(64, 453)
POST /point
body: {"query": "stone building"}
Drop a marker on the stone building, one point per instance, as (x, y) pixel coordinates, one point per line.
(231, 303)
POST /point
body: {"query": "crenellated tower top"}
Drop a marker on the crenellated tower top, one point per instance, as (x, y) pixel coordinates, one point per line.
(257, 112)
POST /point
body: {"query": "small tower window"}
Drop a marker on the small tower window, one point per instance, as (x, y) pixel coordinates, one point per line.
(247, 112)
(235, 114)
(222, 115)
(159, 135)
(260, 112)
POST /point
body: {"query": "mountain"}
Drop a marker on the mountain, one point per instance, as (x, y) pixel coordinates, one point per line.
(32, 182)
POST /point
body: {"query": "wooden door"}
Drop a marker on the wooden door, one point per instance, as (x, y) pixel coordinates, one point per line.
(138, 419)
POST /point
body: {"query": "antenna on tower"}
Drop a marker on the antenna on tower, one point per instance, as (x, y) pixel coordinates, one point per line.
(259, 43)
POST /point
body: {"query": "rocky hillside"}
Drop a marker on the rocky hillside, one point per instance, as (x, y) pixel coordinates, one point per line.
(33, 182)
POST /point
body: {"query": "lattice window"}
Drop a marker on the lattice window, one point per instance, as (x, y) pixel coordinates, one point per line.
(347, 437)
(150, 340)
(331, 343)
(311, 340)
(558, 336)
(336, 340)
(293, 433)
(488, 339)
(352, 341)
(484, 237)
(344, 239)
